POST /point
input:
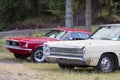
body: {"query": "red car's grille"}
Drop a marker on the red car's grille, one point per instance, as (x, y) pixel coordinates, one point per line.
(12, 43)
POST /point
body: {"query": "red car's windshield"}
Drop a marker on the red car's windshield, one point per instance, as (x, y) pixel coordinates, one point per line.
(57, 34)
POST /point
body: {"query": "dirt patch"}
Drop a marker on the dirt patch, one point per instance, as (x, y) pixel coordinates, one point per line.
(15, 71)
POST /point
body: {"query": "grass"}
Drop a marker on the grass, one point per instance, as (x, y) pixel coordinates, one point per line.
(17, 69)
(48, 71)
(94, 27)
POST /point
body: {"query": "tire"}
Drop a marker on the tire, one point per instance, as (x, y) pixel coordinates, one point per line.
(64, 66)
(106, 63)
(19, 56)
(37, 56)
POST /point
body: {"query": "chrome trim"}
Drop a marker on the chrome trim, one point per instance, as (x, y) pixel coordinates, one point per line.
(63, 57)
(18, 48)
(12, 40)
(64, 54)
(67, 50)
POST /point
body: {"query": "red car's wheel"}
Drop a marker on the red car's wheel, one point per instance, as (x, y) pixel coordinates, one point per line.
(37, 56)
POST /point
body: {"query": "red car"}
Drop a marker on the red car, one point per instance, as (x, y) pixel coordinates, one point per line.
(25, 47)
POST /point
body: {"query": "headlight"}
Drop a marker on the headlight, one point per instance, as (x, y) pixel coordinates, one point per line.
(46, 50)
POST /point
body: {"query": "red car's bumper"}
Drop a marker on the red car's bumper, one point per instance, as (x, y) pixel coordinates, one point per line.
(19, 50)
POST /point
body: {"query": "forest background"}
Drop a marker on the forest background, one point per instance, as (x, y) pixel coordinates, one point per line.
(32, 14)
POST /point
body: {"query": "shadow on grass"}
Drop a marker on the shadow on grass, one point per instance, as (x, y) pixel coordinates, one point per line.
(84, 70)
(87, 70)
(93, 70)
(53, 67)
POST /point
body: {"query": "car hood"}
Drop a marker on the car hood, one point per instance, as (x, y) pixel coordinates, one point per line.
(33, 40)
(82, 43)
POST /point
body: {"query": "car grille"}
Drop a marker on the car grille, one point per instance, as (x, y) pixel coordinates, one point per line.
(12, 43)
(66, 52)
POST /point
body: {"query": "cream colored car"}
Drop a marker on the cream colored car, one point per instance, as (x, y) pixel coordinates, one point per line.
(102, 50)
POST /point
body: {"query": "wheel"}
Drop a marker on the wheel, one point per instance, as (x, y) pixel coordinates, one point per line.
(64, 66)
(37, 56)
(19, 56)
(106, 63)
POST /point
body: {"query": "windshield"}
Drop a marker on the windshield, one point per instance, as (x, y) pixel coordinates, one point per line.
(107, 33)
(57, 34)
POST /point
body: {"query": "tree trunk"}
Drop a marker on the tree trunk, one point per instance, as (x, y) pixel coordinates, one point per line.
(69, 14)
(88, 15)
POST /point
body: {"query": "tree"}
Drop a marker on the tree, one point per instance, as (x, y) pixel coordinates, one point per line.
(88, 15)
(12, 11)
(69, 14)
(51, 7)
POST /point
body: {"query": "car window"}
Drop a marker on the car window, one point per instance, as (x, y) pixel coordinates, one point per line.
(75, 35)
(107, 33)
(57, 34)
(83, 35)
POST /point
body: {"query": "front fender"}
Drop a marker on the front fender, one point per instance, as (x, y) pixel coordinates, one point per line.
(39, 46)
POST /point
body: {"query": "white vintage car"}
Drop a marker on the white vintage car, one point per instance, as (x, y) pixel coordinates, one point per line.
(101, 51)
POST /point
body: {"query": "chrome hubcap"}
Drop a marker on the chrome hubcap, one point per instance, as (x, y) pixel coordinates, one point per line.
(105, 64)
(39, 56)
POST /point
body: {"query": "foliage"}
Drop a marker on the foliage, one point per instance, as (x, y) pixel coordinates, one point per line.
(52, 7)
(116, 7)
(111, 6)
(12, 11)
(38, 34)
(15, 10)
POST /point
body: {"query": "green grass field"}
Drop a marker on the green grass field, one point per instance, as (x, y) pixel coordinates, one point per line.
(27, 70)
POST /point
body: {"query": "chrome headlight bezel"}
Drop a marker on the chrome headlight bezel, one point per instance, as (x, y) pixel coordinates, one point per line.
(46, 50)
(83, 50)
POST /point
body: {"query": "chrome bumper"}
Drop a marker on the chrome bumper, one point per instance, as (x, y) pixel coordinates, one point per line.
(18, 48)
(64, 57)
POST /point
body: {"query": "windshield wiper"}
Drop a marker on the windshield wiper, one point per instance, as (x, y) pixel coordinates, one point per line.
(90, 38)
(105, 39)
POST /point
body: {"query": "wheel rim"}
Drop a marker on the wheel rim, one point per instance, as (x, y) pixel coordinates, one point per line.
(106, 64)
(39, 57)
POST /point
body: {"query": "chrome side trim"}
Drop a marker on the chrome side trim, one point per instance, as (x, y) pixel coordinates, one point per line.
(18, 48)
(64, 54)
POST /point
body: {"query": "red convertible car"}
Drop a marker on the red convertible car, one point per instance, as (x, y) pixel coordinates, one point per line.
(25, 47)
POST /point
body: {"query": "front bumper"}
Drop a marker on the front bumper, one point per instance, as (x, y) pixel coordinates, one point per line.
(75, 62)
(19, 50)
